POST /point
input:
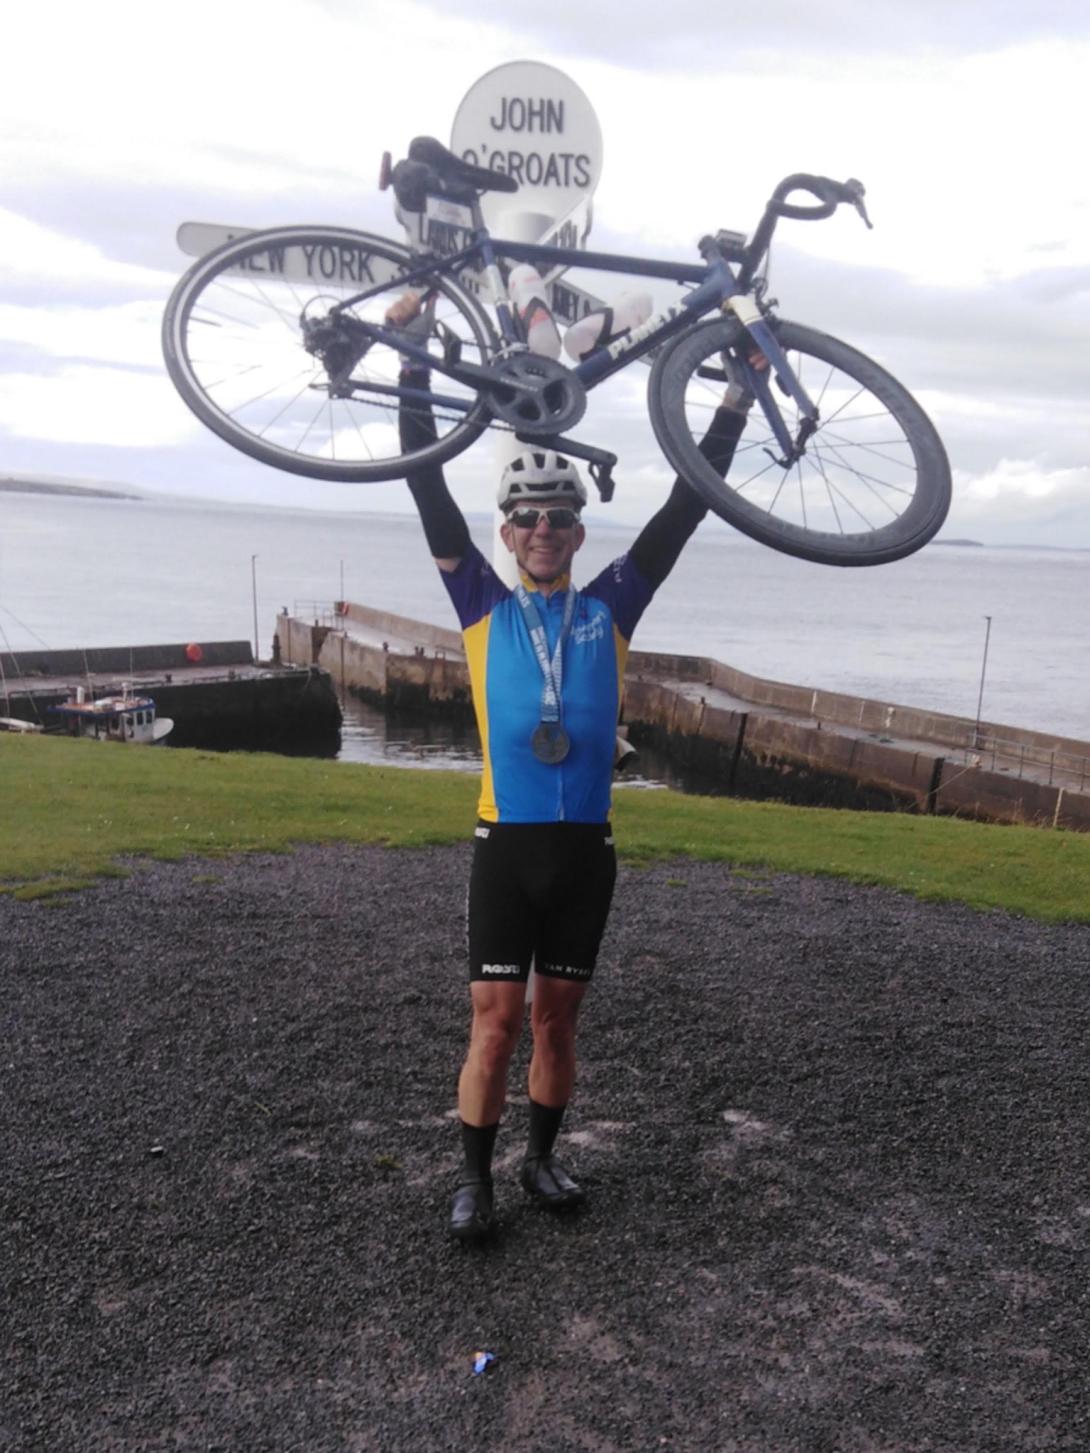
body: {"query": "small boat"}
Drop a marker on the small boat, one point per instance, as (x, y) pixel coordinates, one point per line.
(16, 724)
(124, 718)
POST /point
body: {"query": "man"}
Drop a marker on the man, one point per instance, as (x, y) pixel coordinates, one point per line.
(547, 668)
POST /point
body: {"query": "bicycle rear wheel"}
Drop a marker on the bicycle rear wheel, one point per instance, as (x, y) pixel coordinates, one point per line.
(233, 340)
(874, 482)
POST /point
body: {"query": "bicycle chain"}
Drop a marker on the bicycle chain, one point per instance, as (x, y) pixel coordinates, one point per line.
(496, 424)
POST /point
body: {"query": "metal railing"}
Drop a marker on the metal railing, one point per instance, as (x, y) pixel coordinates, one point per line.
(1066, 769)
(321, 612)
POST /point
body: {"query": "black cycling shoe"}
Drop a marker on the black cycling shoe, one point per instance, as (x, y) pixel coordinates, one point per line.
(471, 1217)
(546, 1180)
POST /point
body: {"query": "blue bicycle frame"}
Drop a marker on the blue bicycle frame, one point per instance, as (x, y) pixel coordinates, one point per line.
(715, 285)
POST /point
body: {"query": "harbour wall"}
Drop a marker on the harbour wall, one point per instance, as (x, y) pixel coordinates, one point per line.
(120, 660)
(819, 763)
(224, 702)
(742, 734)
(399, 664)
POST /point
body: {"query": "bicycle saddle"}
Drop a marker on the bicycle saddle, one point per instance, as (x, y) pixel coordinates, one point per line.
(433, 170)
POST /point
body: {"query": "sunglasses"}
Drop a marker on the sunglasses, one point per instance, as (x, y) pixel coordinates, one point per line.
(560, 517)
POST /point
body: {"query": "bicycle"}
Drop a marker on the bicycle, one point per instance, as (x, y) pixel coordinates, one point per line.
(278, 341)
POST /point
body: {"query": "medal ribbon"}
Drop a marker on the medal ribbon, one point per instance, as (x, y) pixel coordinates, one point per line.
(552, 672)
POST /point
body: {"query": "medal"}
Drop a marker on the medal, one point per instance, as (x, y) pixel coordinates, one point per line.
(550, 743)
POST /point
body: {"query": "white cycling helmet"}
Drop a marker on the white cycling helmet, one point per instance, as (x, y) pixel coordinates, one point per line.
(540, 474)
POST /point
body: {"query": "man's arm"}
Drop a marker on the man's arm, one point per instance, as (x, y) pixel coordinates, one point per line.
(445, 528)
(666, 533)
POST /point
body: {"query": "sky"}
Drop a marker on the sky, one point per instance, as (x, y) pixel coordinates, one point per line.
(967, 120)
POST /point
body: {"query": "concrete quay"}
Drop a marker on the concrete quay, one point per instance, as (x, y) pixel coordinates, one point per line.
(739, 733)
(223, 700)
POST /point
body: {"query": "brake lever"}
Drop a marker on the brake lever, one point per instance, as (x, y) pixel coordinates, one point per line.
(854, 192)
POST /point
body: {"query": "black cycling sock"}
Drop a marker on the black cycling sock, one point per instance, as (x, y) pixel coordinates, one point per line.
(544, 1127)
(477, 1144)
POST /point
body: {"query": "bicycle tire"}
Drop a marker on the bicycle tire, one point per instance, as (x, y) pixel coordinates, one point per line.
(233, 345)
(874, 450)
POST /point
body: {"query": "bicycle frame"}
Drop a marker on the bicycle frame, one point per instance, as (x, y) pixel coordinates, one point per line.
(714, 285)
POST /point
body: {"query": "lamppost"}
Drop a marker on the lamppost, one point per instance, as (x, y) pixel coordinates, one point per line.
(253, 581)
(983, 668)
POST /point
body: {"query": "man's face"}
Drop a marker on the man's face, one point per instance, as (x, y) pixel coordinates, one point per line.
(544, 551)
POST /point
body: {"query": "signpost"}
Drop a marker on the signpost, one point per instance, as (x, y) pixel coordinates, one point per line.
(532, 122)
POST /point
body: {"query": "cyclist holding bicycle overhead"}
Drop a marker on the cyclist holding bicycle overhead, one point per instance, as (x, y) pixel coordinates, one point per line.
(546, 666)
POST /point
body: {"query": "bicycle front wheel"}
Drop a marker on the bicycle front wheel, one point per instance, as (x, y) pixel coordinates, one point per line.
(873, 484)
(254, 337)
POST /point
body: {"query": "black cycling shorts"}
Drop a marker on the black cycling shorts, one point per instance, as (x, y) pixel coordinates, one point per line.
(539, 891)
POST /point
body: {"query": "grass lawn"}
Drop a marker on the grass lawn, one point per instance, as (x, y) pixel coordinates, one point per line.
(69, 809)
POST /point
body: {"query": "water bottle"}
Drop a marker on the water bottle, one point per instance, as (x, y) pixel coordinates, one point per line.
(527, 292)
(603, 326)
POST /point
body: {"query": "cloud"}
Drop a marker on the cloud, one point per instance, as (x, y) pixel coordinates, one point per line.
(86, 405)
(693, 37)
(126, 333)
(41, 254)
(1018, 501)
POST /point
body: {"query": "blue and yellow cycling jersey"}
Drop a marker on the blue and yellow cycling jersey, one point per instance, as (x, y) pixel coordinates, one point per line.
(507, 683)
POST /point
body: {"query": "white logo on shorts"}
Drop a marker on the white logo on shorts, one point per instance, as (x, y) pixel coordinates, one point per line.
(500, 969)
(567, 971)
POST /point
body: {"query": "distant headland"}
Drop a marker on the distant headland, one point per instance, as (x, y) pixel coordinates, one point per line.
(15, 484)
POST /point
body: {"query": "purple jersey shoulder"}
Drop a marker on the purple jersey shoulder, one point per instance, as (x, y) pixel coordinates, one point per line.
(474, 587)
(624, 590)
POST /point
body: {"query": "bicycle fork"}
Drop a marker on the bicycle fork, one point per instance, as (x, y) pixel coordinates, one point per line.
(745, 309)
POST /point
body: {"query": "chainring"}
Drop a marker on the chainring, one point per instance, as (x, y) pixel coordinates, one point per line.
(536, 395)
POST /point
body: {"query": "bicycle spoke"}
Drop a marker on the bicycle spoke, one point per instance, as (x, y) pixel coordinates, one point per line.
(263, 433)
(830, 493)
(835, 441)
(802, 491)
(851, 504)
(355, 424)
(776, 496)
(846, 405)
(273, 388)
(738, 488)
(310, 426)
(870, 480)
(289, 320)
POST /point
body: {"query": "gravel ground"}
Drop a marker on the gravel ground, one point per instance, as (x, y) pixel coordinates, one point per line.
(835, 1143)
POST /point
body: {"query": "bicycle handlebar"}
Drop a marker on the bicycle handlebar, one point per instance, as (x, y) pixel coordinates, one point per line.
(830, 195)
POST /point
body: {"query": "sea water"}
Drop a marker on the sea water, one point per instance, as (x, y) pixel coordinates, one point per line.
(89, 571)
